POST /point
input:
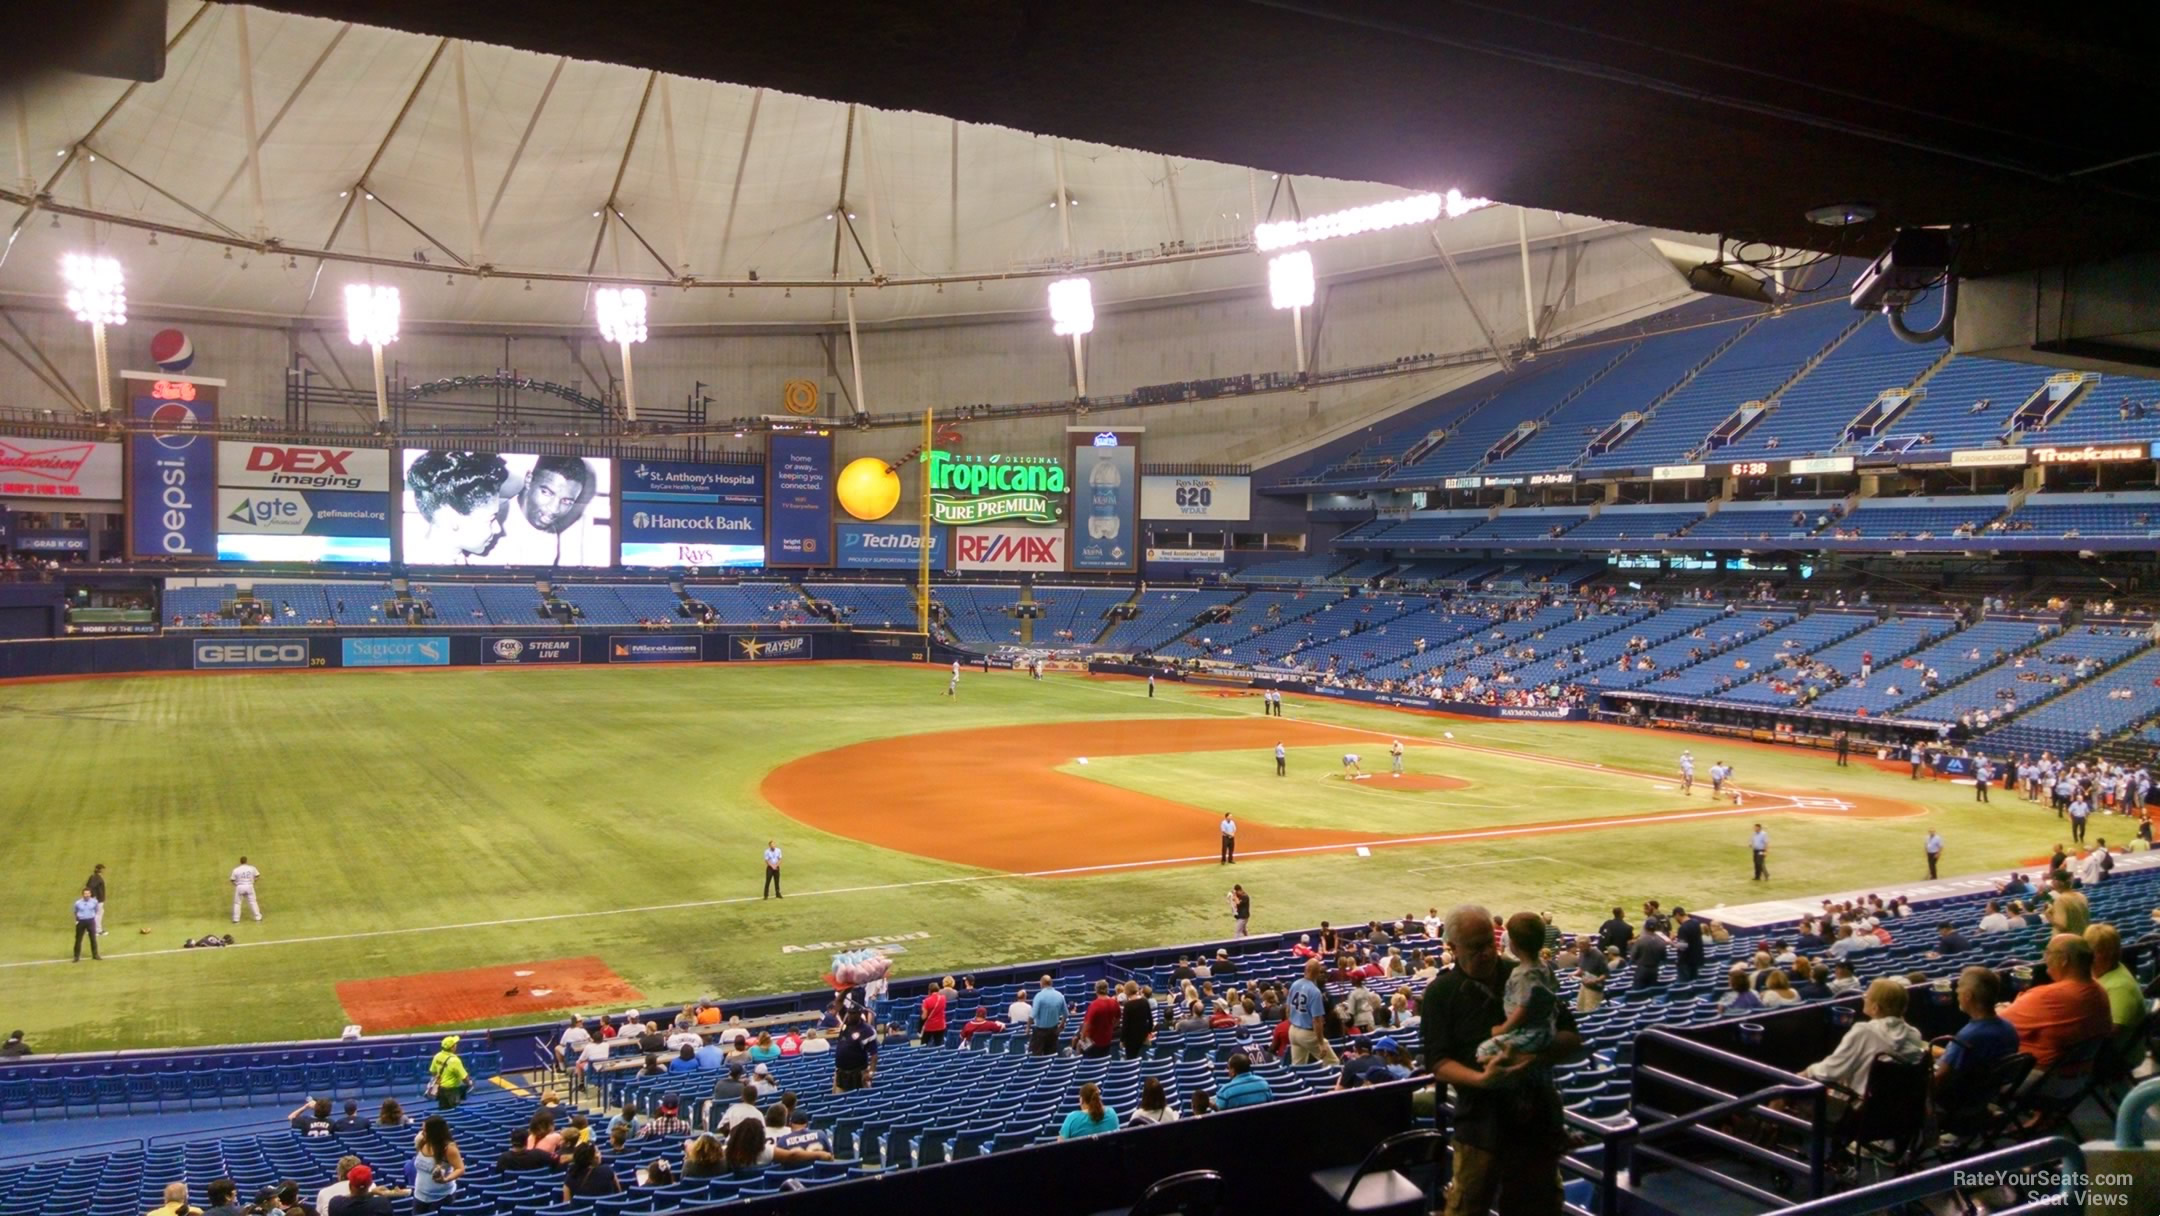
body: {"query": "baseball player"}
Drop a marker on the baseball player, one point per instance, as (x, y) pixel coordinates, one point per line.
(1394, 752)
(1282, 761)
(95, 884)
(1350, 765)
(1719, 772)
(243, 888)
(952, 686)
(1687, 773)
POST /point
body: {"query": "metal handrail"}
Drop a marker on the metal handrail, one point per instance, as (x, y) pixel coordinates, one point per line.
(1911, 1187)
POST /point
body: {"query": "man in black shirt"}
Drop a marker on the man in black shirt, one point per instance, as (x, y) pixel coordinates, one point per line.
(521, 1155)
(312, 1119)
(1648, 955)
(1689, 932)
(1616, 933)
(95, 884)
(224, 1198)
(352, 1122)
(1509, 1134)
(729, 1087)
(14, 1048)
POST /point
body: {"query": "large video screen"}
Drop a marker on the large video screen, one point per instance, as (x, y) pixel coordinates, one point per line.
(505, 509)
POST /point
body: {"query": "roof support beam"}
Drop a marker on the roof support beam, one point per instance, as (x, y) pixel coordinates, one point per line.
(172, 198)
(839, 211)
(674, 176)
(609, 210)
(1476, 314)
(42, 367)
(270, 128)
(32, 202)
(359, 187)
(742, 159)
(518, 154)
(1529, 299)
(465, 151)
(247, 113)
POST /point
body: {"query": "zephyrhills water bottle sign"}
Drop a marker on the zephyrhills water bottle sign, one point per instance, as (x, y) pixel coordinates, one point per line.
(1106, 515)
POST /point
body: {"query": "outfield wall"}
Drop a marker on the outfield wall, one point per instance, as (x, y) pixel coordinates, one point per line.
(231, 651)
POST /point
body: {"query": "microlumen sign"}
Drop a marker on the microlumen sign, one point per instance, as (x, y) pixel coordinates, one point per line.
(990, 489)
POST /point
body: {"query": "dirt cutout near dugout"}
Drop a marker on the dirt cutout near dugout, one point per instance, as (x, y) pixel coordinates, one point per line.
(443, 998)
(994, 798)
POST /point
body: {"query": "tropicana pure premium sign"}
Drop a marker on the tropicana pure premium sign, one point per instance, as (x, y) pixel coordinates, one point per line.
(994, 488)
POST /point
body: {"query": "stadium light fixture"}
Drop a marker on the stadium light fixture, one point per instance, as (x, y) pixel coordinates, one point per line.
(371, 320)
(97, 294)
(621, 313)
(1290, 285)
(1374, 217)
(1072, 314)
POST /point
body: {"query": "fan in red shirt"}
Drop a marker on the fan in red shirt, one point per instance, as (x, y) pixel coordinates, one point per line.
(933, 1017)
(982, 1023)
(1099, 1025)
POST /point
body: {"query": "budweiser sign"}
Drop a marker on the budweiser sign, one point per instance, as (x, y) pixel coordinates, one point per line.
(58, 468)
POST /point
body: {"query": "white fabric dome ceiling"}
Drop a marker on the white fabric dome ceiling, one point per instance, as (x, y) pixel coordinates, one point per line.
(712, 182)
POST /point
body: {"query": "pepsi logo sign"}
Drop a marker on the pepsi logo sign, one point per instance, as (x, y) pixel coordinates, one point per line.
(172, 350)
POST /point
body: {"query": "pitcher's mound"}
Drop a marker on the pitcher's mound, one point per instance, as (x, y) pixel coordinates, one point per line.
(440, 998)
(1418, 781)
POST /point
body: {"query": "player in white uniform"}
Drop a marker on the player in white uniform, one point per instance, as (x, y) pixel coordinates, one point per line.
(1350, 765)
(243, 888)
(1687, 773)
(1394, 752)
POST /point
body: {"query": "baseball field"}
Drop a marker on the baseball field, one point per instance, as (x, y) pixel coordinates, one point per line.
(473, 847)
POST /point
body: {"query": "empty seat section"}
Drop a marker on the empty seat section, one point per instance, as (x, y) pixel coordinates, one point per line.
(1653, 367)
(1810, 416)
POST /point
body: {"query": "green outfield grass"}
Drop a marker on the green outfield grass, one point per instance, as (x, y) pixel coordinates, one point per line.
(424, 821)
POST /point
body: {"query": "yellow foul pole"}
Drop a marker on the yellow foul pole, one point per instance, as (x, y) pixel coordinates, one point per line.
(922, 552)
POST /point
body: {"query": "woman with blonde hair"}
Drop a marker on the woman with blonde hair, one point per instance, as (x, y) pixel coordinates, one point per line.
(1776, 989)
(765, 1050)
(1092, 1119)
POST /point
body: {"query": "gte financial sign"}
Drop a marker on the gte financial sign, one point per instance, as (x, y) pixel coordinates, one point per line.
(994, 488)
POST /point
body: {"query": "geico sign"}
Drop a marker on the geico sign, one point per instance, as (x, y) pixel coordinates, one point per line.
(2091, 454)
(251, 654)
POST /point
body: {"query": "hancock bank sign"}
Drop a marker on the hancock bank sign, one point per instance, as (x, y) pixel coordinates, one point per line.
(995, 488)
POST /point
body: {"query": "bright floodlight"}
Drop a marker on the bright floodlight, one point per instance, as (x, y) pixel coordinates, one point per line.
(1072, 307)
(1290, 279)
(621, 311)
(96, 290)
(1454, 204)
(371, 314)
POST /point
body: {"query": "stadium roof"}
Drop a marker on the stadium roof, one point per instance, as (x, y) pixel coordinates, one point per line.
(424, 159)
(2030, 122)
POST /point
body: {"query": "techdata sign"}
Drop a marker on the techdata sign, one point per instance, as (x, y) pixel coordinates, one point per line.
(987, 489)
(889, 547)
(661, 648)
(397, 652)
(677, 514)
(531, 650)
(749, 648)
(1106, 523)
(1222, 499)
(215, 655)
(799, 517)
(1041, 550)
(172, 473)
(48, 471)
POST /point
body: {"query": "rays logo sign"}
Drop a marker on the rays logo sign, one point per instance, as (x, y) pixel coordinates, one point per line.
(766, 650)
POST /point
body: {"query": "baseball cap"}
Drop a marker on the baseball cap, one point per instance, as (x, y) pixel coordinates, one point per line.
(798, 1116)
(670, 1104)
(449, 1042)
(1386, 1043)
(360, 1176)
(763, 1071)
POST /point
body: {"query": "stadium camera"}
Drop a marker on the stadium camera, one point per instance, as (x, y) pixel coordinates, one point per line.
(1917, 259)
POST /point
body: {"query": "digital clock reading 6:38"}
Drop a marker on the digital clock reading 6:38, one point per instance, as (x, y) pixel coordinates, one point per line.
(1751, 468)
